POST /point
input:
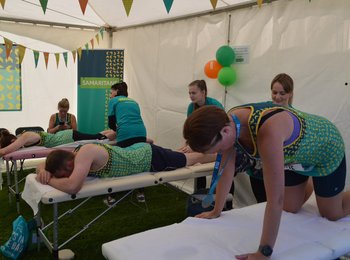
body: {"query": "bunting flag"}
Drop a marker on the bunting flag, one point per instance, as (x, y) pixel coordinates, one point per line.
(168, 4)
(260, 2)
(8, 47)
(127, 6)
(46, 57)
(86, 48)
(43, 4)
(97, 38)
(65, 57)
(79, 52)
(74, 53)
(214, 3)
(21, 52)
(101, 32)
(57, 56)
(83, 4)
(2, 2)
(92, 43)
(36, 57)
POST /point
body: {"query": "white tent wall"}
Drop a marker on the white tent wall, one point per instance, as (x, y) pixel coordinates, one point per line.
(43, 88)
(308, 40)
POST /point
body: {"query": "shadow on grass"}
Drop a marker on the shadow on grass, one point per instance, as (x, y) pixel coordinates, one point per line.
(165, 206)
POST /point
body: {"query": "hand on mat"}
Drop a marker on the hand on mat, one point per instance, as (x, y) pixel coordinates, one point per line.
(208, 214)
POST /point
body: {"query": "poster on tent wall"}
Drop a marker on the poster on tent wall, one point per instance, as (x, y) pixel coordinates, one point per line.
(10, 80)
(98, 70)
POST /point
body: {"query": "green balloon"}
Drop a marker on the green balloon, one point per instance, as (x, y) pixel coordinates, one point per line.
(225, 55)
(227, 76)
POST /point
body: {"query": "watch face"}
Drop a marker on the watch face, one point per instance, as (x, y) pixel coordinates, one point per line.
(265, 250)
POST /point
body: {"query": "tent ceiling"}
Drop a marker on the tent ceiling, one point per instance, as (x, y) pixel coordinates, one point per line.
(109, 13)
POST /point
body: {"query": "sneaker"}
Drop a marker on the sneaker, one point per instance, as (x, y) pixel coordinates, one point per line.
(109, 201)
(141, 197)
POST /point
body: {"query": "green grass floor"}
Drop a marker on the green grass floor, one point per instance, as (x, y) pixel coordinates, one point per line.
(165, 206)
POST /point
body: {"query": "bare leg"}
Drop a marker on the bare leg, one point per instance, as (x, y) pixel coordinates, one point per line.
(335, 207)
(294, 197)
(193, 158)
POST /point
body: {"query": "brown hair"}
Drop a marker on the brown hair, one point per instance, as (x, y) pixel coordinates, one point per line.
(287, 83)
(64, 103)
(203, 125)
(122, 88)
(57, 160)
(6, 138)
(202, 86)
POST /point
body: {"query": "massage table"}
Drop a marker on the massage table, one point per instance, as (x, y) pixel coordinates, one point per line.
(33, 152)
(35, 194)
(304, 235)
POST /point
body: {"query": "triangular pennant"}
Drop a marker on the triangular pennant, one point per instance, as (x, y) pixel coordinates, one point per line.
(36, 57)
(57, 56)
(74, 53)
(97, 38)
(2, 2)
(101, 32)
(43, 4)
(214, 3)
(260, 2)
(21, 52)
(127, 6)
(92, 43)
(83, 4)
(168, 4)
(86, 48)
(46, 57)
(79, 53)
(8, 47)
(65, 57)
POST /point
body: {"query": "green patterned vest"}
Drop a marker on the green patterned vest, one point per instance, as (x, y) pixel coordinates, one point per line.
(319, 144)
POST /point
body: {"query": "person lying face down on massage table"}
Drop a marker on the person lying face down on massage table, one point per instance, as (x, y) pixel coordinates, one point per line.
(10, 143)
(66, 171)
(279, 136)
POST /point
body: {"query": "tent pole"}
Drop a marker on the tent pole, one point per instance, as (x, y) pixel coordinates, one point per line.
(228, 43)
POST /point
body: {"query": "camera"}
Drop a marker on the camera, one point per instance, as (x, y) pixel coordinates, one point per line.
(61, 123)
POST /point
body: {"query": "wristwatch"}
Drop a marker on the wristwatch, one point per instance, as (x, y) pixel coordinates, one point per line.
(265, 250)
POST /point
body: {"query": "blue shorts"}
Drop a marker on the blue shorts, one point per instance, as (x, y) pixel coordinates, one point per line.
(324, 186)
(166, 159)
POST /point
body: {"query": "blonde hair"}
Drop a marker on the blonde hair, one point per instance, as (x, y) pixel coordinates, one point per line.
(64, 103)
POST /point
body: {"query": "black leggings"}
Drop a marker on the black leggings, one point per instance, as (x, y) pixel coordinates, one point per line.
(78, 136)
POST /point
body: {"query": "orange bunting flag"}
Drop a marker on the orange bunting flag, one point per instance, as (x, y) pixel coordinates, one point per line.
(260, 2)
(36, 57)
(57, 55)
(83, 4)
(8, 47)
(214, 3)
(43, 4)
(65, 57)
(46, 57)
(2, 2)
(74, 53)
(127, 6)
(92, 43)
(21, 52)
(97, 38)
(79, 53)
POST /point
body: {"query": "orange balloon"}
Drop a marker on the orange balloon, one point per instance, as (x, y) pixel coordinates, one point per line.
(212, 68)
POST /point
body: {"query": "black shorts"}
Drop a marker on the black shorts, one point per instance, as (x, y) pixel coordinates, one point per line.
(131, 141)
(324, 186)
(166, 159)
